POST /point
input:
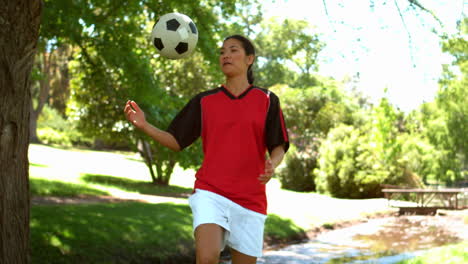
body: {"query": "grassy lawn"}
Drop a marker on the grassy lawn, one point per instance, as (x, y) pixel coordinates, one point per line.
(451, 254)
(159, 229)
(110, 233)
(122, 233)
(73, 172)
(128, 232)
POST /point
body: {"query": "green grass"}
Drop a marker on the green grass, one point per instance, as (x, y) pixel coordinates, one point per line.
(451, 254)
(110, 233)
(143, 187)
(152, 233)
(43, 187)
(278, 229)
(122, 233)
(128, 232)
(69, 172)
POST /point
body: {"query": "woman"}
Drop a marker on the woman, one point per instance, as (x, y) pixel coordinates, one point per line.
(238, 123)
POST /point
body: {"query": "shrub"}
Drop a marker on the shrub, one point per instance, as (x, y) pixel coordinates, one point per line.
(349, 166)
(298, 175)
(48, 135)
(421, 158)
(53, 128)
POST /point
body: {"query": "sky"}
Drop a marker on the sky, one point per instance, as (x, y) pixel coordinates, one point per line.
(405, 58)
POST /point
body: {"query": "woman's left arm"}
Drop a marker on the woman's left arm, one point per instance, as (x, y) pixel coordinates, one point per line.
(276, 156)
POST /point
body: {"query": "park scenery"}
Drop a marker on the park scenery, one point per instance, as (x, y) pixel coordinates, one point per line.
(366, 179)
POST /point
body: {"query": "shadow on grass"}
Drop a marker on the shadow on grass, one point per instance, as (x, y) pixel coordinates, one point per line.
(41, 187)
(134, 159)
(138, 186)
(280, 230)
(112, 233)
(38, 165)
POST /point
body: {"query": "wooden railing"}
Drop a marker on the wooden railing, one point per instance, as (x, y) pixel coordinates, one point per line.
(427, 200)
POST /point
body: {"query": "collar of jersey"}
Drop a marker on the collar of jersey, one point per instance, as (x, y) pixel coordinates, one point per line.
(242, 95)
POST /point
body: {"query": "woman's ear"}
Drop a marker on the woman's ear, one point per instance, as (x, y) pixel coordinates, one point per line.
(250, 59)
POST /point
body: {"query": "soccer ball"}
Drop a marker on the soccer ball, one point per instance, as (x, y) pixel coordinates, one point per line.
(174, 35)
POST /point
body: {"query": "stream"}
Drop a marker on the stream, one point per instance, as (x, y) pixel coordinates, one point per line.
(385, 240)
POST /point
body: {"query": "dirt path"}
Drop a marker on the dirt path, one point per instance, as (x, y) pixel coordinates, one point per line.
(85, 199)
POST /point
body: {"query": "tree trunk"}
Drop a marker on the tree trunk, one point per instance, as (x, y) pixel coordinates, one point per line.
(19, 31)
(44, 89)
(33, 138)
(144, 149)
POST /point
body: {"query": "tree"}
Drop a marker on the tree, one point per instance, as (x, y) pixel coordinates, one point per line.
(116, 62)
(41, 93)
(283, 45)
(355, 160)
(50, 83)
(452, 97)
(349, 164)
(310, 114)
(19, 34)
(440, 126)
(429, 124)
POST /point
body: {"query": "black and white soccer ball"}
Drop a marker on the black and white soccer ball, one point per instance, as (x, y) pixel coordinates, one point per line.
(174, 35)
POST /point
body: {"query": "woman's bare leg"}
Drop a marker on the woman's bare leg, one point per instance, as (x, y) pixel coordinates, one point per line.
(208, 242)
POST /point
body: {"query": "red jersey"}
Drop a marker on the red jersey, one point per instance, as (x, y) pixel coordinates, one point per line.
(236, 132)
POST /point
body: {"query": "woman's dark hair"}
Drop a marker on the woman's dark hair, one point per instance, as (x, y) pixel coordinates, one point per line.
(249, 50)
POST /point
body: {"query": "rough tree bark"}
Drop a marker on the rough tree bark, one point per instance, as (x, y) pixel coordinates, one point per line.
(19, 31)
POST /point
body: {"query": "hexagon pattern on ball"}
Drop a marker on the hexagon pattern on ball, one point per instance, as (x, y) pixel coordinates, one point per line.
(174, 35)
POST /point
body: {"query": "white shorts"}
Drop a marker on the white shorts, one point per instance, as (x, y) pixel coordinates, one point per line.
(243, 227)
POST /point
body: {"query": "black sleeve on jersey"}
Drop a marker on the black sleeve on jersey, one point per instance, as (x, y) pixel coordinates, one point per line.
(186, 126)
(276, 133)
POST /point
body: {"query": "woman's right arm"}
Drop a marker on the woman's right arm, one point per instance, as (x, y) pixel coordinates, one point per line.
(136, 116)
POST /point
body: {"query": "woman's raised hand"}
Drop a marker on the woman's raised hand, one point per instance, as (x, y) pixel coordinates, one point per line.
(134, 114)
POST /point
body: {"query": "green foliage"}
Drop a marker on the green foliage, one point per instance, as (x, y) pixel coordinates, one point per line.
(282, 44)
(116, 62)
(429, 124)
(356, 160)
(349, 165)
(310, 113)
(318, 108)
(439, 127)
(298, 174)
(387, 149)
(451, 98)
(54, 129)
(420, 157)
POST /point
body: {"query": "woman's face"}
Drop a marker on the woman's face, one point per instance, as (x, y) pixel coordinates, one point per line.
(232, 58)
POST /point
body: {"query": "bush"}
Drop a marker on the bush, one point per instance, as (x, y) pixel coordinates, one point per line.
(53, 128)
(349, 166)
(49, 135)
(421, 158)
(298, 175)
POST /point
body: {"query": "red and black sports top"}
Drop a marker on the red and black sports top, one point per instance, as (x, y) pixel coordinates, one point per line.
(236, 132)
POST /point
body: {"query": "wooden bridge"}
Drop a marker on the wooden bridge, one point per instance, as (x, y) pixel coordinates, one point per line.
(428, 200)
